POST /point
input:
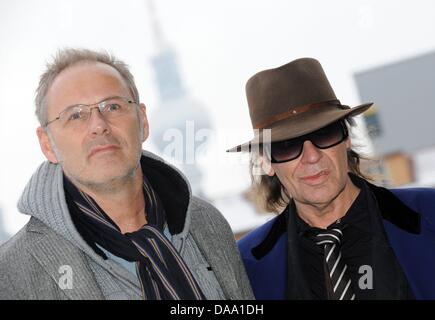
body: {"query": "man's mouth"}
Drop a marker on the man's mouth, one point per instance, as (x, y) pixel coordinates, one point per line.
(103, 148)
(316, 178)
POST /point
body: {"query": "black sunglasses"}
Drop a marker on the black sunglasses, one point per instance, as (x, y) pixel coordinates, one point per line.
(324, 138)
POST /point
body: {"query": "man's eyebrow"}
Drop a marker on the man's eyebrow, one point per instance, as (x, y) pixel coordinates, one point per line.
(91, 104)
(108, 98)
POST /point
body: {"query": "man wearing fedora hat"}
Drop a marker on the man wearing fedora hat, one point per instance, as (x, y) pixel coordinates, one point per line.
(337, 236)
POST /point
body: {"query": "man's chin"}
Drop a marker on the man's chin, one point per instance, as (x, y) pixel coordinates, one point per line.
(105, 161)
(111, 177)
(106, 181)
(320, 196)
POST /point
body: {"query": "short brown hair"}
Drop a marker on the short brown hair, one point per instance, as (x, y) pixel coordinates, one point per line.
(68, 57)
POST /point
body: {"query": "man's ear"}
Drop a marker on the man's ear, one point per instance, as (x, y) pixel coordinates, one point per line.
(143, 115)
(45, 144)
(348, 143)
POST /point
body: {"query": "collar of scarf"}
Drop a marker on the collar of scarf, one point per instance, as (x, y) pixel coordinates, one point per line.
(162, 272)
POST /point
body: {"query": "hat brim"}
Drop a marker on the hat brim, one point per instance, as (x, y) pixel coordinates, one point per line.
(302, 124)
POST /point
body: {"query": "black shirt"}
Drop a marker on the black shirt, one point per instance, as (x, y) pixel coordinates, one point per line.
(355, 249)
(365, 243)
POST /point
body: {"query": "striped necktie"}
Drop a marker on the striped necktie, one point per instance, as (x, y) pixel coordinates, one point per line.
(339, 280)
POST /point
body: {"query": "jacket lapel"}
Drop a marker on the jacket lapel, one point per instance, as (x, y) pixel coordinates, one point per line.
(414, 250)
(388, 278)
(297, 286)
(53, 253)
(395, 211)
(207, 244)
(407, 224)
(278, 262)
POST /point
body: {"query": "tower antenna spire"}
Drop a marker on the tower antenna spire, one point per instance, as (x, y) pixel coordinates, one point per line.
(157, 33)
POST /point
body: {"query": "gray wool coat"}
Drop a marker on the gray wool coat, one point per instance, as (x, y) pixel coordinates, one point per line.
(35, 262)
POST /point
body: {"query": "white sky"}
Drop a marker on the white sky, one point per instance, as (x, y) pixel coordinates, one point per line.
(220, 44)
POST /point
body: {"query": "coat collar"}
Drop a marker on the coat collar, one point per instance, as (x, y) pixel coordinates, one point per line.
(395, 211)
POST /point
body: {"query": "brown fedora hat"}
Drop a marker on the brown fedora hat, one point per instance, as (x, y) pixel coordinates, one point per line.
(292, 100)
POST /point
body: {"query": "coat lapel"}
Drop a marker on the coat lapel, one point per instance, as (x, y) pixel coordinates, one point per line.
(208, 245)
(297, 286)
(414, 250)
(388, 278)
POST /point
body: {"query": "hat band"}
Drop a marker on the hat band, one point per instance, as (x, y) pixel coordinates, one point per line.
(293, 112)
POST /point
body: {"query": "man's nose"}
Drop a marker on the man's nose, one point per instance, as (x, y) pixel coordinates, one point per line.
(310, 153)
(97, 123)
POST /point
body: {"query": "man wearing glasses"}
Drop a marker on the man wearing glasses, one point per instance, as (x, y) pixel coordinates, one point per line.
(338, 236)
(108, 220)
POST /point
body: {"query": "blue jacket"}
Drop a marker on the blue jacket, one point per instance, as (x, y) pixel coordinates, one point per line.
(408, 217)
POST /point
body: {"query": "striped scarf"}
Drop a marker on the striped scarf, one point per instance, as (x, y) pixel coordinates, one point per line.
(162, 272)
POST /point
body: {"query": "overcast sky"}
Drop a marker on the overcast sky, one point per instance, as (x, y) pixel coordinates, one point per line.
(220, 44)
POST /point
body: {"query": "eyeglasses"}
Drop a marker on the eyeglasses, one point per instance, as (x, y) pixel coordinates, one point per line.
(109, 108)
(323, 138)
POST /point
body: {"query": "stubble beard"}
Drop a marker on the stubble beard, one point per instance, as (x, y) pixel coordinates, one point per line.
(106, 186)
(109, 186)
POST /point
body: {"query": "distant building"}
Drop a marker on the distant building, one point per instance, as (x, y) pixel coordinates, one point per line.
(178, 112)
(401, 124)
(178, 118)
(404, 111)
